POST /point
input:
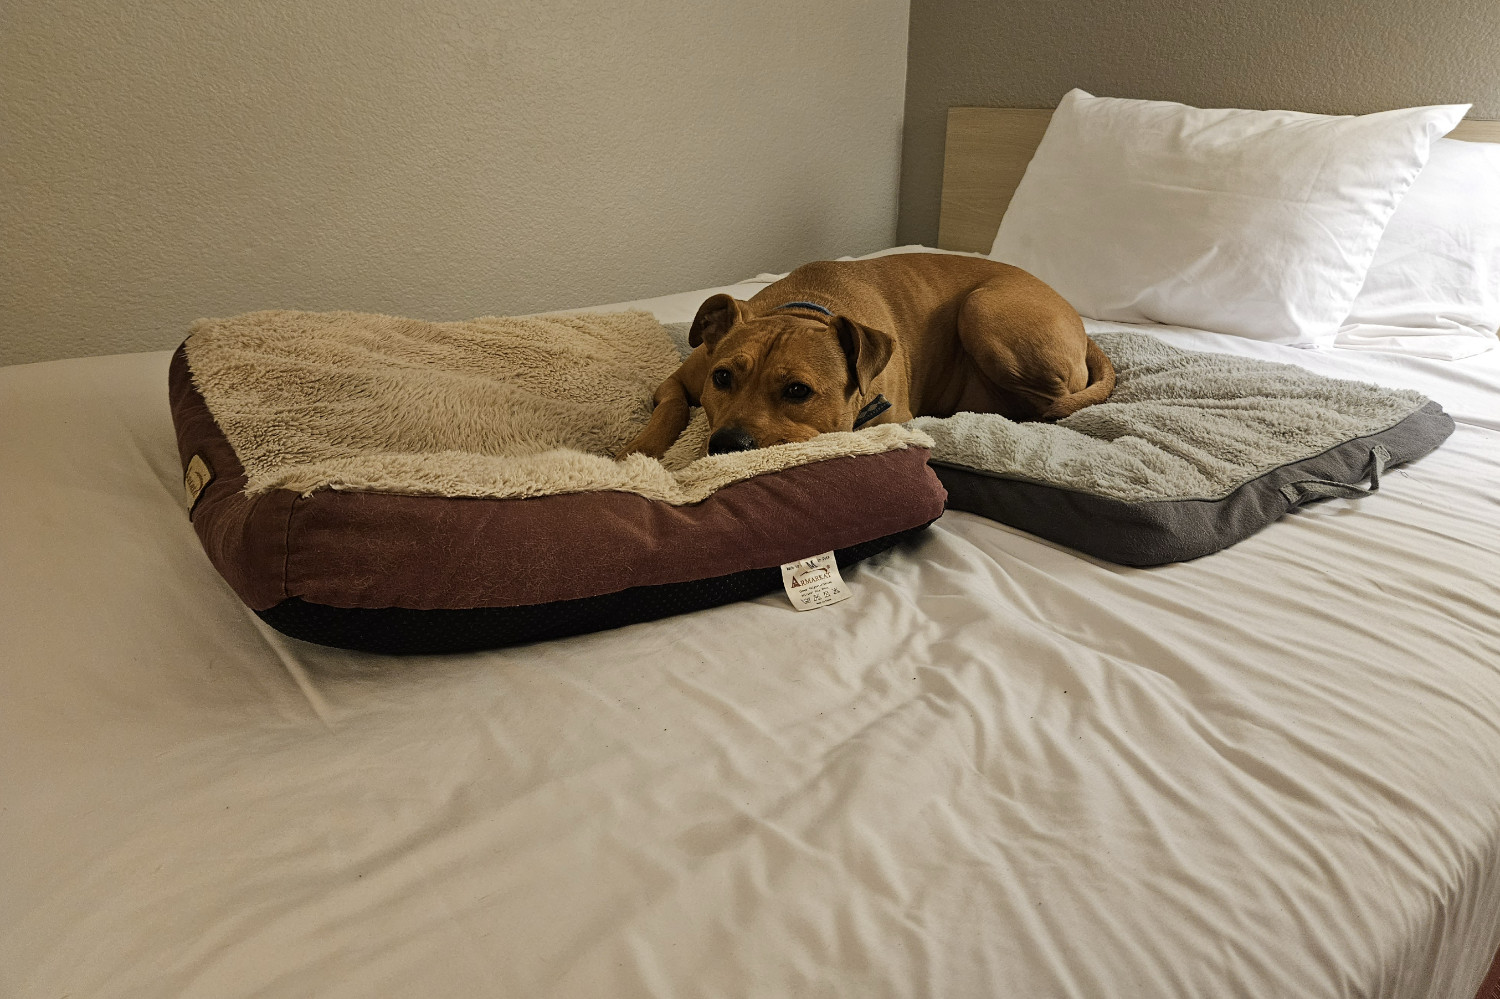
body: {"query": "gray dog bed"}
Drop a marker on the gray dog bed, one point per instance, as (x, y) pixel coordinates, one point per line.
(1192, 453)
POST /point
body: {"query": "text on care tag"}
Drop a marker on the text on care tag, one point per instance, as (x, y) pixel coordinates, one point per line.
(814, 582)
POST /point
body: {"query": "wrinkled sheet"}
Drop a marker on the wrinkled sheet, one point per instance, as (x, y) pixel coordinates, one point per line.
(1001, 768)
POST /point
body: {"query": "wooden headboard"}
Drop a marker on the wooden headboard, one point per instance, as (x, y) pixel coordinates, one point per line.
(987, 152)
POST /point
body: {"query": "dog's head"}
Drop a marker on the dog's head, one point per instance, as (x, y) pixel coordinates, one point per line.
(782, 377)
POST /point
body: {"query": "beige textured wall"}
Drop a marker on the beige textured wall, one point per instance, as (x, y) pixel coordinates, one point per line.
(168, 160)
(1330, 56)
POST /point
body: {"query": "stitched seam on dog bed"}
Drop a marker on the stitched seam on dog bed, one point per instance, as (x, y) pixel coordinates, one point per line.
(286, 547)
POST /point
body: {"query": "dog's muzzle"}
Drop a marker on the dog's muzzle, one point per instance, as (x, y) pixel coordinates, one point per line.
(730, 439)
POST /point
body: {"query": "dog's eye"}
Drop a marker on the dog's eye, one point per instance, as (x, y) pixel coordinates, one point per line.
(796, 391)
(722, 378)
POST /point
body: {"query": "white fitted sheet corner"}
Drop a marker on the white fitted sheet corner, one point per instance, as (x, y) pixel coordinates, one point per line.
(999, 768)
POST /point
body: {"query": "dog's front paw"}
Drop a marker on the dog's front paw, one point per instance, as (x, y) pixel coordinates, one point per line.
(641, 445)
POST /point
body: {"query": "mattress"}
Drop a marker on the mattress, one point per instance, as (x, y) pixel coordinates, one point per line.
(1000, 767)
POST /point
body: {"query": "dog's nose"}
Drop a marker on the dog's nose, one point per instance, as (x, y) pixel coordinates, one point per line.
(730, 439)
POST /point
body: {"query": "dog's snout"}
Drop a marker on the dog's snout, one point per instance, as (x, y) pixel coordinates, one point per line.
(730, 439)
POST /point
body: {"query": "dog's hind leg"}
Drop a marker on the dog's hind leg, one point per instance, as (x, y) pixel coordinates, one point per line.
(1030, 349)
(1101, 384)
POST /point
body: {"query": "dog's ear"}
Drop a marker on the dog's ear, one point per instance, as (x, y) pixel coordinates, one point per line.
(867, 350)
(713, 320)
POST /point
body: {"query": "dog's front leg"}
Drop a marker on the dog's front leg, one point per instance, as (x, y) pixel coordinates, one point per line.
(673, 400)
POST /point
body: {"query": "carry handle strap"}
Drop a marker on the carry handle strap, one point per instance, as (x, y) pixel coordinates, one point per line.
(1300, 492)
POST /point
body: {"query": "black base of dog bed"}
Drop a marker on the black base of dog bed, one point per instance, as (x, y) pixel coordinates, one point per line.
(403, 631)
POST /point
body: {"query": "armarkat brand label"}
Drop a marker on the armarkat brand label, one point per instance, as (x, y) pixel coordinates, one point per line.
(814, 582)
(197, 475)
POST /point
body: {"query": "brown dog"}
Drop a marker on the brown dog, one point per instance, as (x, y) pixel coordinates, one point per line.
(836, 345)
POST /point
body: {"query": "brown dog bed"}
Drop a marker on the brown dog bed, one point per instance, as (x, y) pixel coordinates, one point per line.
(400, 486)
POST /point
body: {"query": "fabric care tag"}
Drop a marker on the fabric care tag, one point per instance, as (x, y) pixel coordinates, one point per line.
(814, 582)
(194, 479)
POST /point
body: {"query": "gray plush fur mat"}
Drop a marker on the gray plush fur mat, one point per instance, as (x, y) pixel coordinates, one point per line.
(1180, 425)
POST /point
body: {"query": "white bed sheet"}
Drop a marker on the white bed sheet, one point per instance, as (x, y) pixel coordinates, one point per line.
(1000, 769)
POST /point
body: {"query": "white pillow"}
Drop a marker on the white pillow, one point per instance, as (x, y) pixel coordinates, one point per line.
(1256, 223)
(1433, 288)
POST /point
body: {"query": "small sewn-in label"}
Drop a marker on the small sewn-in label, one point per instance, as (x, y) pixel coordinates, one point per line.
(197, 476)
(814, 582)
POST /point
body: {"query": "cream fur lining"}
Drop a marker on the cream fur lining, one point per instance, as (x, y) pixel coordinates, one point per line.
(492, 407)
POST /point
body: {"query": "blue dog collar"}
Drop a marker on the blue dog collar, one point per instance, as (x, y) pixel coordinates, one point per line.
(805, 305)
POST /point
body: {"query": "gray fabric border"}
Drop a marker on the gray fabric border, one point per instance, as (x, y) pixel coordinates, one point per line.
(1156, 532)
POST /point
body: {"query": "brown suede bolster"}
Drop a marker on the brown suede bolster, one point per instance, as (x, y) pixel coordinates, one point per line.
(363, 549)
